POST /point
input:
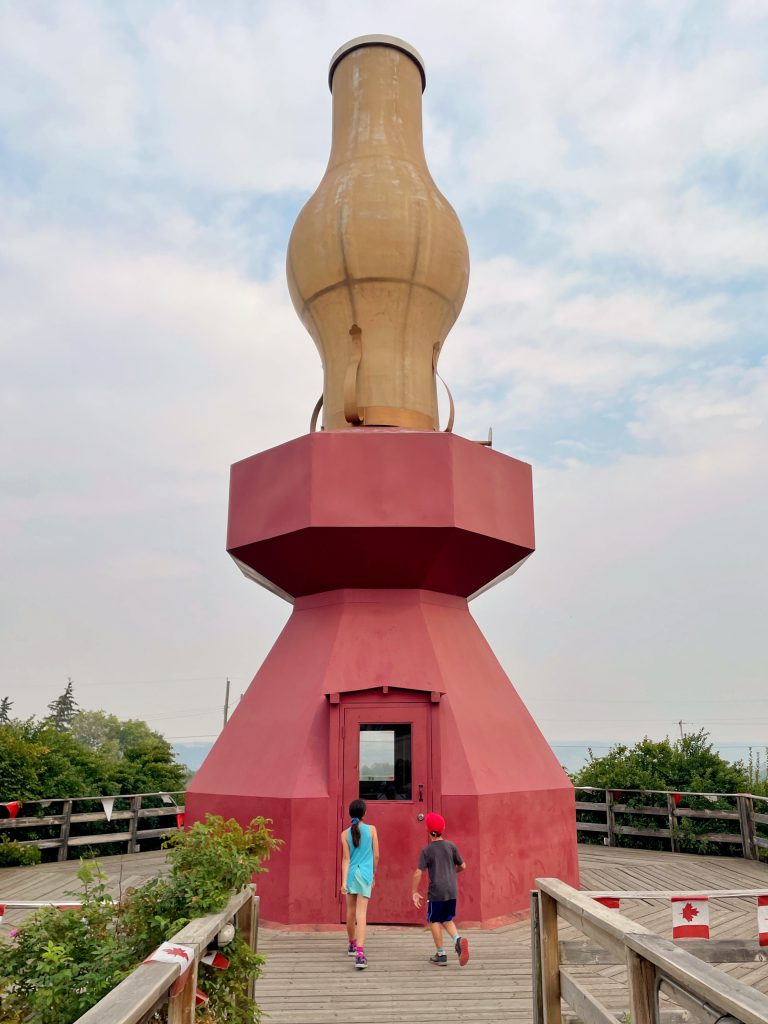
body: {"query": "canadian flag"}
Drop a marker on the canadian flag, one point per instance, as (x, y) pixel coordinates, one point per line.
(762, 919)
(612, 902)
(690, 917)
(174, 953)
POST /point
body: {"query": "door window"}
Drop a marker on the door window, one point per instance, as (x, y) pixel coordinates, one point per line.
(385, 762)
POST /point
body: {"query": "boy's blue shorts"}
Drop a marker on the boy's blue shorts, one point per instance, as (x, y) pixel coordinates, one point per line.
(440, 911)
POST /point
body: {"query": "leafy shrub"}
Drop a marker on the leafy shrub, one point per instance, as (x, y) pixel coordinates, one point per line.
(61, 963)
(13, 854)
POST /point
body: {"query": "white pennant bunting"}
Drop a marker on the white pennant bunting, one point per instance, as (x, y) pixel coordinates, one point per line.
(167, 799)
(108, 802)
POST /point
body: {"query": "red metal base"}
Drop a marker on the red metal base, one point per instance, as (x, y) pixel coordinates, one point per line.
(508, 803)
(380, 536)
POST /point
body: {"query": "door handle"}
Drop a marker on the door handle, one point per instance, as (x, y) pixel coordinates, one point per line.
(421, 792)
(419, 817)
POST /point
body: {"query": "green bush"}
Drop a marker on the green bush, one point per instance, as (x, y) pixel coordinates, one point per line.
(60, 963)
(13, 854)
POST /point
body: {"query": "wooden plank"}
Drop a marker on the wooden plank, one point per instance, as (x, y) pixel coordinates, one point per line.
(590, 826)
(610, 819)
(707, 983)
(641, 981)
(181, 1007)
(586, 805)
(691, 812)
(128, 1003)
(761, 818)
(627, 809)
(666, 894)
(536, 985)
(720, 837)
(674, 837)
(550, 962)
(654, 833)
(715, 951)
(102, 837)
(64, 831)
(747, 827)
(586, 1006)
(135, 808)
(50, 819)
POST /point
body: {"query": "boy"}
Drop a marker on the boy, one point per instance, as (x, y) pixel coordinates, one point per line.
(442, 861)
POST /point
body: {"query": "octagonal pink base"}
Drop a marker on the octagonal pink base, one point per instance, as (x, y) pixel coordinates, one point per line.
(508, 803)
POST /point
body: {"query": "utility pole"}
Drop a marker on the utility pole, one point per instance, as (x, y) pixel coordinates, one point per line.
(226, 702)
(680, 723)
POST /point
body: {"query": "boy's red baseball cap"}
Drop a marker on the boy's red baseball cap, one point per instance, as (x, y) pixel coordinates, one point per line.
(435, 822)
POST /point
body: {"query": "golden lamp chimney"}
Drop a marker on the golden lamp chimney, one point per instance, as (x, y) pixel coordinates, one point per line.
(377, 261)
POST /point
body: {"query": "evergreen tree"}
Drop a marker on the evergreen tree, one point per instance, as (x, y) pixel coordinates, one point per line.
(63, 709)
(5, 710)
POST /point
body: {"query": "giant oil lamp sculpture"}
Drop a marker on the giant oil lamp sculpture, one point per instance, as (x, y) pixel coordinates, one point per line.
(378, 529)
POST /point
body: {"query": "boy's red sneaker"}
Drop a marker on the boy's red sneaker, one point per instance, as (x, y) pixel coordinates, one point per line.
(462, 951)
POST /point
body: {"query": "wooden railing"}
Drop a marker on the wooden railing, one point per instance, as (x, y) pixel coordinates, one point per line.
(654, 965)
(137, 998)
(137, 811)
(614, 803)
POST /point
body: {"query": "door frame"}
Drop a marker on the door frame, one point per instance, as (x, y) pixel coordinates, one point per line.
(372, 695)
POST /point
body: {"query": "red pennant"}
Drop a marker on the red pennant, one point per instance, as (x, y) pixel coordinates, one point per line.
(180, 820)
(215, 959)
(612, 902)
(13, 808)
(2, 912)
(200, 998)
(676, 798)
(617, 794)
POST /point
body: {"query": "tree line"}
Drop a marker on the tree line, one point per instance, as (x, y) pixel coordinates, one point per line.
(73, 752)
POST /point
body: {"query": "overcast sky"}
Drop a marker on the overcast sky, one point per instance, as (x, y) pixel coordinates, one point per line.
(608, 162)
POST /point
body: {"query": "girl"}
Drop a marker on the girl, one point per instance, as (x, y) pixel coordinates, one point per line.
(359, 857)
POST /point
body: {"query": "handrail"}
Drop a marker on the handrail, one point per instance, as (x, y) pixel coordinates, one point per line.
(667, 792)
(149, 987)
(749, 820)
(653, 964)
(66, 818)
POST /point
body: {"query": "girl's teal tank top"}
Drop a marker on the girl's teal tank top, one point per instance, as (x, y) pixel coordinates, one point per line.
(361, 857)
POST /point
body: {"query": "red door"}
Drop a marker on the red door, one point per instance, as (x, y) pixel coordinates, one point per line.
(386, 762)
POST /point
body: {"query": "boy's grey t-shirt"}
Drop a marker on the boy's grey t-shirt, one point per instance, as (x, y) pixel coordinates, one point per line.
(441, 859)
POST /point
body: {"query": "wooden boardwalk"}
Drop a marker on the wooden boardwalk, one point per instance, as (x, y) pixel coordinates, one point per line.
(308, 979)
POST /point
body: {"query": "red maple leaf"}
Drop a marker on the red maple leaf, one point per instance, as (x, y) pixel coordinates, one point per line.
(178, 951)
(689, 912)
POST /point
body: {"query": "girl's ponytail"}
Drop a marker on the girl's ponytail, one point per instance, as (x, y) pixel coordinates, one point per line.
(357, 813)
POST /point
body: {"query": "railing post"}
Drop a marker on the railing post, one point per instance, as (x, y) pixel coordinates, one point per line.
(673, 836)
(550, 959)
(133, 841)
(641, 978)
(747, 826)
(66, 810)
(181, 1008)
(538, 1005)
(610, 818)
(248, 927)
